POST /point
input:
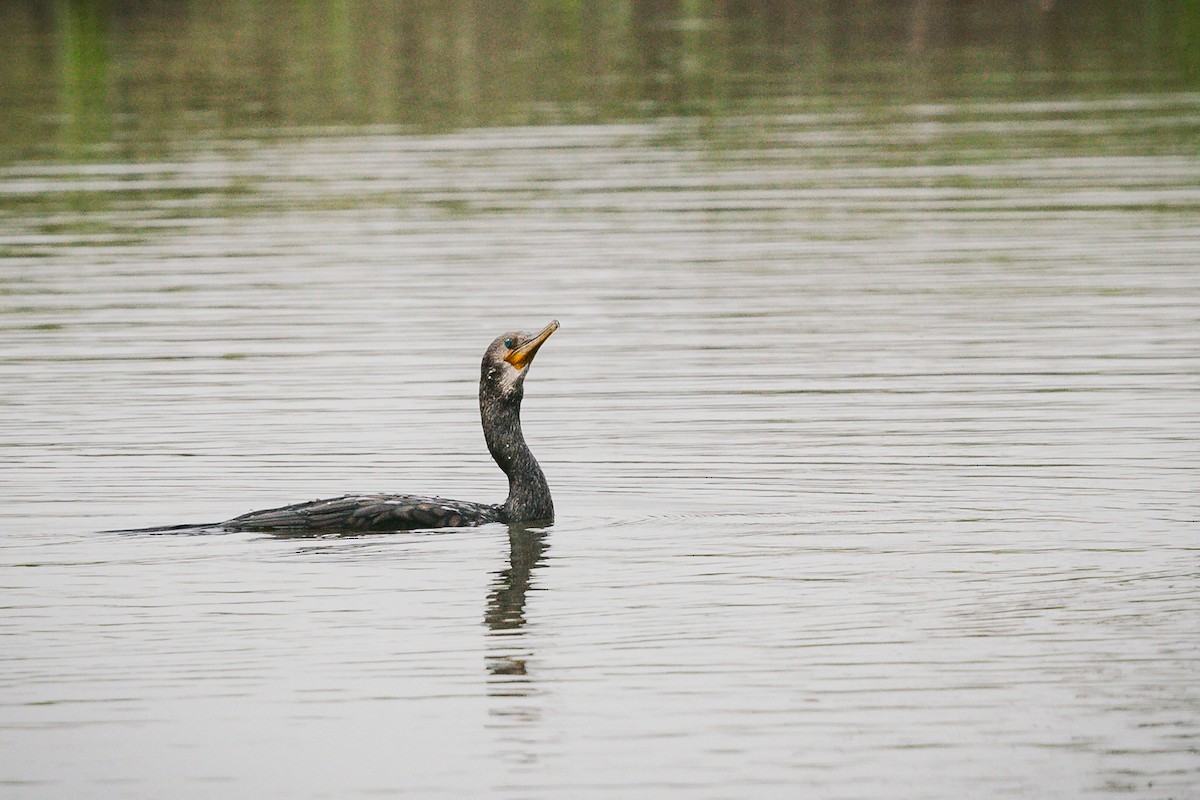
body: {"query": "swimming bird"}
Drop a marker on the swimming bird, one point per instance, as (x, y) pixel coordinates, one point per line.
(501, 388)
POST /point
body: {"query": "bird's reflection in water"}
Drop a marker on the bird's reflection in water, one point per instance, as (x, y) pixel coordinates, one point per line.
(516, 707)
(506, 601)
(505, 614)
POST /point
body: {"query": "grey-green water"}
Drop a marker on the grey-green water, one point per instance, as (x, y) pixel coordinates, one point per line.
(872, 427)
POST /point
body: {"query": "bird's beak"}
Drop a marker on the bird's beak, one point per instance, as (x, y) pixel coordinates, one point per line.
(520, 357)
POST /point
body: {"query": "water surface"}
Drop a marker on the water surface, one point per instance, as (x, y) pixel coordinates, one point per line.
(871, 432)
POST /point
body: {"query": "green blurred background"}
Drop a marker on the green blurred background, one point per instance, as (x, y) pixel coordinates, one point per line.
(107, 80)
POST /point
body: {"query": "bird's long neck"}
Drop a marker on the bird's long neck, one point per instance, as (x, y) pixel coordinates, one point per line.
(528, 492)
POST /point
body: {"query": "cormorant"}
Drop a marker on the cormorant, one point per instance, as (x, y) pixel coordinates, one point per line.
(501, 387)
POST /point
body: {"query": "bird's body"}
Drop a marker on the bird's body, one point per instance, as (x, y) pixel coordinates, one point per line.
(368, 512)
(501, 388)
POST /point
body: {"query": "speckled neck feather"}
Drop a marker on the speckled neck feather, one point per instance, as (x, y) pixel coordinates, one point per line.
(501, 388)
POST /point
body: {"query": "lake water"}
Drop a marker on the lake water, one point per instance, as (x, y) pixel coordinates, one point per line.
(872, 430)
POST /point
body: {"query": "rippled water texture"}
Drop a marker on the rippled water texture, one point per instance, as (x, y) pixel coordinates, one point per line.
(872, 433)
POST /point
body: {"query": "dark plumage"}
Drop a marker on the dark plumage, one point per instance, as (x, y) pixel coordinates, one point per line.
(501, 387)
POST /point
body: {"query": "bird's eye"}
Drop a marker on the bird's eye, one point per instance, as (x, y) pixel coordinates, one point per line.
(508, 342)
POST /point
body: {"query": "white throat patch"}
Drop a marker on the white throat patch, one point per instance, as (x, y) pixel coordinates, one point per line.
(508, 378)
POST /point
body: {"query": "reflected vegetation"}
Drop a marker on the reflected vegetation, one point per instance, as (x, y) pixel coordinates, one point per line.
(166, 108)
(83, 86)
(130, 78)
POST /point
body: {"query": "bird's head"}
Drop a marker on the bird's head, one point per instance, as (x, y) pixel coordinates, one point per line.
(507, 360)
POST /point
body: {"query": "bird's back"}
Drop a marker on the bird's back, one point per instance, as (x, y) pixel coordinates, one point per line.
(371, 512)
